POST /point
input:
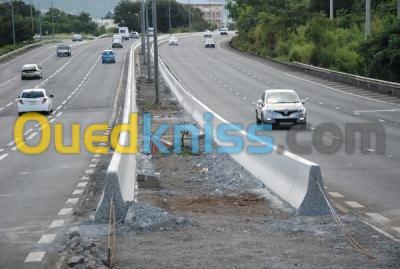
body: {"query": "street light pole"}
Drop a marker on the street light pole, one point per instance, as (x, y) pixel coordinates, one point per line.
(143, 30)
(13, 22)
(367, 18)
(30, 3)
(52, 15)
(155, 43)
(148, 42)
(169, 16)
(331, 9)
(39, 20)
(190, 18)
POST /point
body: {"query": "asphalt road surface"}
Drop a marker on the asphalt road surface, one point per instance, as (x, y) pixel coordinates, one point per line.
(230, 83)
(35, 188)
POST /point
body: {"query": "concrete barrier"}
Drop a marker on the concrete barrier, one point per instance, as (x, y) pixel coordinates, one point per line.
(376, 85)
(120, 181)
(295, 180)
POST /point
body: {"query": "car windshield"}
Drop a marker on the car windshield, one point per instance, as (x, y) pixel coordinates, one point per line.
(107, 53)
(29, 67)
(32, 94)
(282, 97)
(63, 47)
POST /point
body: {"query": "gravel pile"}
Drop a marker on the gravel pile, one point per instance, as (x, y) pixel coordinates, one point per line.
(84, 254)
(144, 217)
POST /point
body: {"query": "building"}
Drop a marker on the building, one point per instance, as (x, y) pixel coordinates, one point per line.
(213, 13)
(107, 23)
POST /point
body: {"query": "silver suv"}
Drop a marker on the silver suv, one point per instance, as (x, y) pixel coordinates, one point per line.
(281, 108)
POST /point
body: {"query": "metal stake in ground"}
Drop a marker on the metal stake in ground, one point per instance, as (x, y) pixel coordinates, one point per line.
(156, 79)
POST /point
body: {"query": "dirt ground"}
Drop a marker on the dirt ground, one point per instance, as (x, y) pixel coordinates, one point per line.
(224, 217)
(236, 222)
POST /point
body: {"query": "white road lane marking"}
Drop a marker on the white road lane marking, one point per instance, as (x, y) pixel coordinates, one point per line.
(85, 178)
(89, 171)
(11, 143)
(93, 165)
(52, 120)
(14, 148)
(397, 229)
(3, 156)
(65, 211)
(64, 102)
(46, 238)
(378, 217)
(56, 223)
(354, 204)
(35, 256)
(59, 114)
(77, 192)
(59, 107)
(336, 194)
(81, 185)
(72, 201)
(378, 110)
(32, 135)
(1, 150)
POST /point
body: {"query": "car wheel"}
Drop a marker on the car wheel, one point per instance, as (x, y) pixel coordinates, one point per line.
(19, 113)
(258, 121)
(22, 78)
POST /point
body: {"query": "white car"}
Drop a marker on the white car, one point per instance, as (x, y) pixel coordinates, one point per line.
(77, 37)
(117, 43)
(35, 100)
(281, 108)
(209, 43)
(173, 41)
(223, 31)
(31, 71)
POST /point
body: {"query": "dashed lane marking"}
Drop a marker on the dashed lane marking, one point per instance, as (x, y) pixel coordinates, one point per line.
(354, 204)
(56, 223)
(35, 256)
(65, 211)
(378, 217)
(336, 194)
(72, 201)
(46, 238)
(81, 185)
(77, 192)
(3, 156)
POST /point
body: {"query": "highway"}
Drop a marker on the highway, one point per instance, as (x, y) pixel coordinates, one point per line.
(35, 188)
(230, 82)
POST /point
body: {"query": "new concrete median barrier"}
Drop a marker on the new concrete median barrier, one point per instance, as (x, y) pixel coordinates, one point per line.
(120, 178)
(295, 180)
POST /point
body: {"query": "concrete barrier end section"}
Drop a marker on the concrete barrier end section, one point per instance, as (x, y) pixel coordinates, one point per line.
(314, 202)
(112, 192)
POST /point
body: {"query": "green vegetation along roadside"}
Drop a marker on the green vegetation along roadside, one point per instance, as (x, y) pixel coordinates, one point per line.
(300, 30)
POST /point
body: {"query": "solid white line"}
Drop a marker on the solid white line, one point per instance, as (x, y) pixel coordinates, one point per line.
(56, 223)
(373, 111)
(333, 89)
(3, 156)
(46, 238)
(354, 204)
(65, 211)
(35, 256)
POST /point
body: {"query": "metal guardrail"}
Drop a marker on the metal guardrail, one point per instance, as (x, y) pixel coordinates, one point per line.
(376, 85)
